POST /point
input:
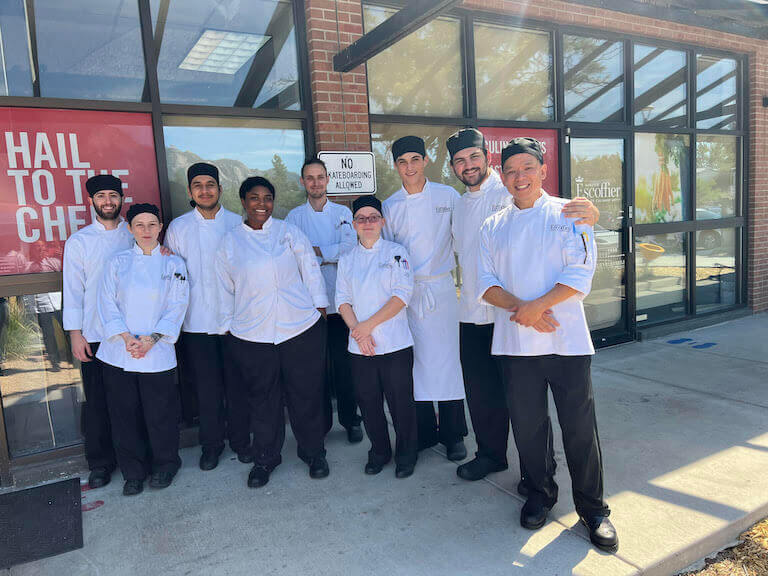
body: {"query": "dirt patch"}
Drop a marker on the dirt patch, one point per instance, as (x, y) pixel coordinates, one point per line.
(748, 558)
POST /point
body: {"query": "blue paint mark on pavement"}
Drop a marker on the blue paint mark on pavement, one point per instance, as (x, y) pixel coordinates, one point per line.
(705, 345)
(679, 340)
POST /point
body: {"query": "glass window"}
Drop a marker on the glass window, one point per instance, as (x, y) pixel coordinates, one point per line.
(90, 49)
(715, 269)
(662, 177)
(716, 176)
(716, 92)
(420, 74)
(513, 69)
(660, 277)
(222, 53)
(438, 169)
(594, 79)
(661, 86)
(239, 148)
(14, 48)
(39, 380)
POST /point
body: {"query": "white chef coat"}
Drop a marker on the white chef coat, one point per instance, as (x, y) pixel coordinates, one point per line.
(471, 211)
(332, 232)
(142, 294)
(368, 278)
(85, 254)
(270, 283)
(196, 240)
(527, 252)
(422, 224)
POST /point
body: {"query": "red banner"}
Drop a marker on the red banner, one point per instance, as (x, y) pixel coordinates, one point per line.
(497, 138)
(45, 158)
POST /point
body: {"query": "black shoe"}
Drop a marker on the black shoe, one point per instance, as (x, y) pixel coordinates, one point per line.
(318, 467)
(355, 434)
(133, 487)
(478, 468)
(258, 476)
(534, 514)
(209, 459)
(522, 488)
(404, 471)
(99, 477)
(161, 479)
(245, 457)
(601, 532)
(457, 451)
(374, 465)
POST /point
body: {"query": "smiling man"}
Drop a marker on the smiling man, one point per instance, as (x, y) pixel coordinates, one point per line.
(485, 195)
(419, 216)
(195, 236)
(533, 260)
(85, 254)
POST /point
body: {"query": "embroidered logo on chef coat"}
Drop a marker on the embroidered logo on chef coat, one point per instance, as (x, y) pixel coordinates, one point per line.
(443, 209)
(559, 228)
(497, 207)
(179, 276)
(401, 262)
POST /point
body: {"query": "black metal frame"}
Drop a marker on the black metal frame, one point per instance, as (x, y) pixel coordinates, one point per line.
(33, 283)
(470, 117)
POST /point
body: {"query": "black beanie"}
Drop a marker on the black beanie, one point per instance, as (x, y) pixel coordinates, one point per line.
(467, 138)
(522, 146)
(363, 201)
(137, 209)
(103, 182)
(202, 169)
(408, 144)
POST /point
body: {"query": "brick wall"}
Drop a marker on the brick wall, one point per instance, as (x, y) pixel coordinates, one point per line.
(340, 101)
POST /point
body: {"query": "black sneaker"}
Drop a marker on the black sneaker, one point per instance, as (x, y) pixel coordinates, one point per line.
(478, 468)
(456, 451)
(318, 467)
(404, 470)
(534, 514)
(161, 480)
(374, 465)
(133, 487)
(209, 459)
(355, 434)
(99, 477)
(258, 476)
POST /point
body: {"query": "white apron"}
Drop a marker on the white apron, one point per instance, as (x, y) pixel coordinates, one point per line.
(433, 316)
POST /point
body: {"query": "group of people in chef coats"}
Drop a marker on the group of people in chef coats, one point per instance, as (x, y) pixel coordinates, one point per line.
(274, 313)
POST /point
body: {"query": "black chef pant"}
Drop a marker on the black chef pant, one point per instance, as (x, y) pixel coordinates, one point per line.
(94, 415)
(144, 408)
(339, 379)
(486, 394)
(290, 374)
(569, 377)
(452, 426)
(390, 377)
(204, 364)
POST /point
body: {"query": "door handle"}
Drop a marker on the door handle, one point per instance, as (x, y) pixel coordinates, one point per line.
(631, 239)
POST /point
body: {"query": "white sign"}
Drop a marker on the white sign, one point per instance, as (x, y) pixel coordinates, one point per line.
(350, 173)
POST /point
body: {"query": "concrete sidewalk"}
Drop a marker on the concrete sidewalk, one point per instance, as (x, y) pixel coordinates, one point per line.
(683, 423)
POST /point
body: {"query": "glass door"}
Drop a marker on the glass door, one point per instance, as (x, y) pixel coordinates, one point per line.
(598, 172)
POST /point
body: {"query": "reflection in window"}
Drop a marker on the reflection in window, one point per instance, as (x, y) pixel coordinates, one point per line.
(660, 86)
(90, 49)
(716, 176)
(715, 269)
(438, 169)
(16, 77)
(221, 53)
(715, 93)
(418, 75)
(594, 79)
(662, 177)
(239, 148)
(660, 277)
(514, 73)
(39, 380)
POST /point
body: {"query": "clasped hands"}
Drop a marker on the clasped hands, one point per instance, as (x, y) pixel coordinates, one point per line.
(361, 333)
(137, 346)
(533, 314)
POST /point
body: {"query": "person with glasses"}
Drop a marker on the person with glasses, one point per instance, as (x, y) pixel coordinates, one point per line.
(329, 228)
(373, 288)
(142, 302)
(272, 302)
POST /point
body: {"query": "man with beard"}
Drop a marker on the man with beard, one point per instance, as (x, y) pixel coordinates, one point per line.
(419, 217)
(195, 236)
(329, 228)
(486, 195)
(85, 254)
